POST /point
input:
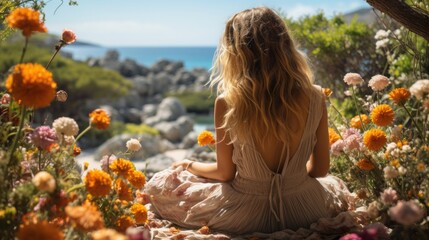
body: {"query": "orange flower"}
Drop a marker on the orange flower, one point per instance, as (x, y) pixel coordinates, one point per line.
(140, 213)
(99, 118)
(137, 179)
(382, 115)
(85, 217)
(399, 95)
(39, 231)
(327, 91)
(85, 165)
(206, 138)
(98, 183)
(333, 136)
(76, 150)
(365, 164)
(123, 223)
(356, 122)
(123, 191)
(31, 85)
(26, 19)
(374, 139)
(122, 167)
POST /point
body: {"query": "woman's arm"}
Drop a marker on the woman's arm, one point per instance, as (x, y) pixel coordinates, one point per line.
(223, 169)
(318, 164)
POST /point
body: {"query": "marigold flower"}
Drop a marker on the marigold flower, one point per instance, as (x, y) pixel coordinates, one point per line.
(26, 19)
(353, 79)
(86, 217)
(327, 91)
(39, 231)
(44, 181)
(140, 213)
(374, 139)
(122, 167)
(365, 164)
(205, 138)
(333, 136)
(76, 150)
(123, 223)
(68, 36)
(100, 119)
(382, 115)
(66, 126)
(137, 179)
(356, 121)
(31, 85)
(107, 234)
(98, 183)
(133, 145)
(124, 192)
(399, 95)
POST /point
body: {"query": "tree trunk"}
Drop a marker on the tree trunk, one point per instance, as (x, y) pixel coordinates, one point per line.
(415, 21)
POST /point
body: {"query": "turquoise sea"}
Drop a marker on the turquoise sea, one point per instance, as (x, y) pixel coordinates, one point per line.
(192, 57)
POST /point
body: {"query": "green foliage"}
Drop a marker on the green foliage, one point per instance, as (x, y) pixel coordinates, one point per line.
(336, 47)
(195, 101)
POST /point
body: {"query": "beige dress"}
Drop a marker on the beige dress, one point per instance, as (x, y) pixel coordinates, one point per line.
(257, 200)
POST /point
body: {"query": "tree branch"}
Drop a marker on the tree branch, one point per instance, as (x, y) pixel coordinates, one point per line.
(415, 21)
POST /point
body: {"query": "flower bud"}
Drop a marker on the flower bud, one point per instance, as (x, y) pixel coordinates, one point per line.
(62, 96)
(68, 36)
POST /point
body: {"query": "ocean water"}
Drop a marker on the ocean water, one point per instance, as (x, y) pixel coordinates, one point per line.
(192, 57)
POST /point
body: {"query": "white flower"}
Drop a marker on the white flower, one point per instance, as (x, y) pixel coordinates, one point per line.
(388, 196)
(406, 148)
(44, 181)
(420, 88)
(397, 33)
(372, 209)
(381, 34)
(378, 82)
(381, 43)
(353, 79)
(348, 93)
(106, 160)
(390, 172)
(391, 146)
(133, 145)
(66, 126)
(402, 170)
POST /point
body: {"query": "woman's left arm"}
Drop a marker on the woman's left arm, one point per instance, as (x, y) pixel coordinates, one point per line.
(223, 169)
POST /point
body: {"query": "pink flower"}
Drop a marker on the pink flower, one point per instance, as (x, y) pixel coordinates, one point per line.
(5, 99)
(106, 160)
(390, 172)
(351, 236)
(353, 142)
(388, 196)
(378, 82)
(337, 147)
(353, 79)
(349, 132)
(43, 137)
(68, 36)
(406, 213)
(375, 231)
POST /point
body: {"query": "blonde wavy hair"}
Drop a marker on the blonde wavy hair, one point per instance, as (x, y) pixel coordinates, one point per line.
(260, 72)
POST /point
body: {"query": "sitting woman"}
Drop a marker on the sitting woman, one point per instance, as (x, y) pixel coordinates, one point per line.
(272, 142)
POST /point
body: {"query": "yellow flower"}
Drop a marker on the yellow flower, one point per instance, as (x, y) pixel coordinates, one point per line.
(140, 213)
(374, 139)
(31, 85)
(122, 167)
(100, 119)
(399, 95)
(26, 19)
(206, 138)
(39, 231)
(85, 165)
(98, 183)
(85, 217)
(382, 115)
(137, 179)
(327, 91)
(395, 163)
(356, 122)
(333, 136)
(365, 164)
(123, 191)
(123, 223)
(421, 167)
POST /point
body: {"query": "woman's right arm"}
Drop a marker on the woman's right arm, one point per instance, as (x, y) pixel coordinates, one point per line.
(318, 164)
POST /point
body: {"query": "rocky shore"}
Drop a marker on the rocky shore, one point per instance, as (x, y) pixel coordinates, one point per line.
(145, 104)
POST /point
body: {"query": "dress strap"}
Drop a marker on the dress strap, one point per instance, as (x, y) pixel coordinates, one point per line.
(276, 186)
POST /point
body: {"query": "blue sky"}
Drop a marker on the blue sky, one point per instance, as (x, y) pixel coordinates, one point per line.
(169, 22)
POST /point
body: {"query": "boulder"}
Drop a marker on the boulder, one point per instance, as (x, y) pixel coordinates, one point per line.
(173, 67)
(160, 66)
(148, 110)
(156, 164)
(190, 140)
(170, 109)
(130, 68)
(169, 131)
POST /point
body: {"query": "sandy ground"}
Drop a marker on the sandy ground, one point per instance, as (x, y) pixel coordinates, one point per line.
(88, 156)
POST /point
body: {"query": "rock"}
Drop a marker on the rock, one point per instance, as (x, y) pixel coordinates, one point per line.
(165, 145)
(161, 82)
(189, 140)
(156, 163)
(130, 68)
(132, 115)
(150, 146)
(184, 78)
(143, 86)
(169, 131)
(160, 66)
(170, 109)
(185, 124)
(148, 110)
(173, 67)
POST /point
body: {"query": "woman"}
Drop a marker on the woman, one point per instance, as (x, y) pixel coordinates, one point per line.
(272, 141)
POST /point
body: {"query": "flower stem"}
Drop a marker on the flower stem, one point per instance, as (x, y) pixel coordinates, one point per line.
(414, 122)
(15, 140)
(83, 132)
(358, 109)
(75, 187)
(24, 49)
(57, 49)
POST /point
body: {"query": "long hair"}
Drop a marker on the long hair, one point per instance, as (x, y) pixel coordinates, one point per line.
(260, 72)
